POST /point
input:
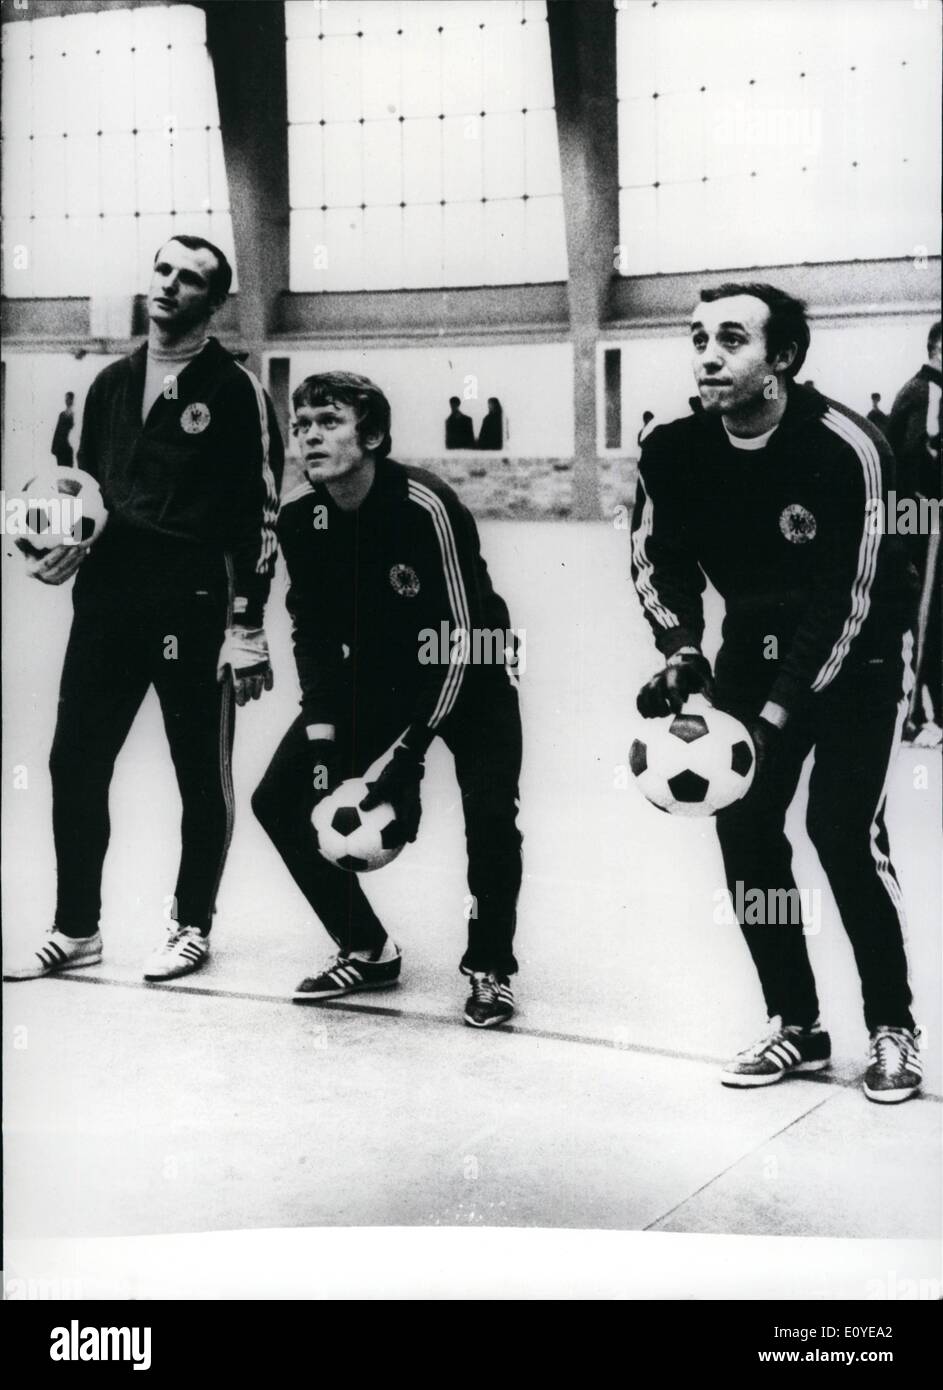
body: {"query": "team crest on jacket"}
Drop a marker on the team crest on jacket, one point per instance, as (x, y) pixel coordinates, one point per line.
(405, 581)
(798, 524)
(195, 418)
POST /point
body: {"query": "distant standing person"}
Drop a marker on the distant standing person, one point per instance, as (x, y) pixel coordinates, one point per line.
(648, 424)
(61, 447)
(913, 432)
(491, 434)
(876, 414)
(459, 430)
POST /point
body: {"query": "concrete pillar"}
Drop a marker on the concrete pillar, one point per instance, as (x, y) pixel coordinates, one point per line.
(246, 41)
(583, 54)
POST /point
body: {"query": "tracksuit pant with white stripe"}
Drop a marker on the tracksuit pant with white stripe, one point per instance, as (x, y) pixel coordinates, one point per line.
(121, 644)
(484, 735)
(853, 727)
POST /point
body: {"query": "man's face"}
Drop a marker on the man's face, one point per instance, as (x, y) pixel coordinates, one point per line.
(328, 440)
(728, 337)
(179, 296)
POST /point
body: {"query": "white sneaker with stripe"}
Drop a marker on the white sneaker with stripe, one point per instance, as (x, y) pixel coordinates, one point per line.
(57, 953)
(346, 974)
(186, 949)
(895, 1070)
(786, 1050)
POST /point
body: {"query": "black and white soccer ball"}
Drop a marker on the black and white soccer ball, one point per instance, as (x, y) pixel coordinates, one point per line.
(694, 763)
(61, 506)
(352, 838)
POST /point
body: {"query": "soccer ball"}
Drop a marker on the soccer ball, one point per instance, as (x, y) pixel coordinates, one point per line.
(64, 506)
(351, 838)
(694, 763)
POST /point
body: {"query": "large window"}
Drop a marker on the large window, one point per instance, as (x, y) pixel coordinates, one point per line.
(111, 144)
(807, 128)
(422, 145)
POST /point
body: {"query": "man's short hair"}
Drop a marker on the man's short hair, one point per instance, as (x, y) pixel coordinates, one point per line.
(359, 392)
(220, 279)
(933, 341)
(787, 323)
(454, 400)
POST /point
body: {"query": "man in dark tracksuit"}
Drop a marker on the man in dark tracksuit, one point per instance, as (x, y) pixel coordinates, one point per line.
(61, 447)
(776, 495)
(384, 563)
(913, 432)
(184, 444)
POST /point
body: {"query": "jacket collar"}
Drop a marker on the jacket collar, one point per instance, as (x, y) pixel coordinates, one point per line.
(803, 403)
(208, 358)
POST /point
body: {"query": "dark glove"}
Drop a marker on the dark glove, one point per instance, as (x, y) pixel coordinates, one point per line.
(685, 674)
(325, 767)
(398, 786)
(52, 566)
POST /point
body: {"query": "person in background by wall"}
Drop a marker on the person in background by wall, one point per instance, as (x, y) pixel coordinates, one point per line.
(876, 414)
(459, 430)
(491, 434)
(913, 431)
(61, 447)
(648, 424)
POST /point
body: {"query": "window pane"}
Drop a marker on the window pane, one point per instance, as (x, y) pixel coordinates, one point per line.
(422, 161)
(382, 166)
(153, 168)
(306, 165)
(462, 158)
(504, 156)
(343, 174)
(191, 171)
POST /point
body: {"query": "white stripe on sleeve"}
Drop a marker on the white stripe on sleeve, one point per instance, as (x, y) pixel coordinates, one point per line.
(269, 543)
(860, 596)
(645, 570)
(455, 587)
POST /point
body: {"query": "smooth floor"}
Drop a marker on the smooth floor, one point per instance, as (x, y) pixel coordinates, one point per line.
(215, 1104)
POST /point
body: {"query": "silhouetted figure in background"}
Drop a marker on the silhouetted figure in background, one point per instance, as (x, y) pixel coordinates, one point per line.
(459, 430)
(876, 414)
(648, 424)
(61, 447)
(491, 434)
(913, 432)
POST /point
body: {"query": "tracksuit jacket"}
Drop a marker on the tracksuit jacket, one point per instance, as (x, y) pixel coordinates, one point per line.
(195, 484)
(791, 536)
(366, 585)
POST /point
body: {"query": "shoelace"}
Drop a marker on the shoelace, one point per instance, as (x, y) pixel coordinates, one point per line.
(176, 936)
(484, 988)
(891, 1049)
(754, 1053)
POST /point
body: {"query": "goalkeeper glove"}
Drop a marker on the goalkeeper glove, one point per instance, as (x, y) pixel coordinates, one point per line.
(686, 673)
(398, 786)
(245, 653)
(53, 566)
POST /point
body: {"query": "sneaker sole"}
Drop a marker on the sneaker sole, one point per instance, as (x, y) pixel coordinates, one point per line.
(305, 997)
(891, 1097)
(745, 1082)
(175, 974)
(58, 969)
(488, 1022)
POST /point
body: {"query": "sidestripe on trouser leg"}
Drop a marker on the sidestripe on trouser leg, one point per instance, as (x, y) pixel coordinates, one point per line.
(225, 741)
(885, 868)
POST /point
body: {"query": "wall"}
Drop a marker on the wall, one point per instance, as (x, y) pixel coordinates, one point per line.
(532, 382)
